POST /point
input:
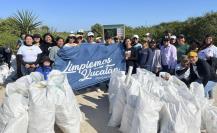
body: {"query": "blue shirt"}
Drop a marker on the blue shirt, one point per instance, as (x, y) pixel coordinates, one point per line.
(44, 70)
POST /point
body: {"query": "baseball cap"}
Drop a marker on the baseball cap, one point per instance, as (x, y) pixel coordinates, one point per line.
(135, 36)
(166, 38)
(90, 34)
(192, 54)
(173, 37)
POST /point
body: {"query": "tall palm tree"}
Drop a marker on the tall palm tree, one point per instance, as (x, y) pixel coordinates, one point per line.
(25, 21)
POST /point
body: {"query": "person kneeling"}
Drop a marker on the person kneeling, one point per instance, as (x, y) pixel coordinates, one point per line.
(182, 70)
(45, 67)
(201, 71)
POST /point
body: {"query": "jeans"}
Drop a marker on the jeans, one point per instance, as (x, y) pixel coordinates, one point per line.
(26, 71)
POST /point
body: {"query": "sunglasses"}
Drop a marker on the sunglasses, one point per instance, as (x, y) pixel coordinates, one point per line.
(72, 38)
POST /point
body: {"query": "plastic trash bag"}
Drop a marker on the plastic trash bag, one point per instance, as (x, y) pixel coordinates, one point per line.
(197, 90)
(22, 84)
(68, 115)
(116, 81)
(4, 72)
(211, 119)
(41, 108)
(14, 115)
(13, 69)
(181, 112)
(146, 115)
(132, 97)
(118, 106)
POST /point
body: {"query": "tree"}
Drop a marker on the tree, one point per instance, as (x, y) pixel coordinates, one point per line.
(97, 29)
(8, 34)
(25, 21)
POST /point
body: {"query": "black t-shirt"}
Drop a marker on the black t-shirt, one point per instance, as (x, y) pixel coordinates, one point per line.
(45, 47)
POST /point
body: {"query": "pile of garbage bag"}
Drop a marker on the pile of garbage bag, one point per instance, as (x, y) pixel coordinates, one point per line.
(145, 103)
(8, 74)
(33, 105)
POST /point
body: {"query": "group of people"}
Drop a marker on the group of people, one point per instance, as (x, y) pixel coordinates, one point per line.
(189, 62)
(195, 62)
(36, 53)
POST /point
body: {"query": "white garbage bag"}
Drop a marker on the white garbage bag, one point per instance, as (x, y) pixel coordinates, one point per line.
(4, 72)
(42, 108)
(116, 81)
(118, 106)
(197, 90)
(14, 115)
(181, 112)
(22, 84)
(13, 69)
(132, 94)
(146, 115)
(68, 115)
(211, 119)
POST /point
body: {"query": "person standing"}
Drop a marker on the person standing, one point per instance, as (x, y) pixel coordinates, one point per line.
(208, 49)
(48, 42)
(81, 33)
(90, 38)
(20, 41)
(130, 55)
(168, 56)
(108, 40)
(117, 40)
(182, 47)
(79, 39)
(173, 40)
(37, 39)
(99, 40)
(143, 54)
(153, 63)
(71, 41)
(54, 50)
(135, 42)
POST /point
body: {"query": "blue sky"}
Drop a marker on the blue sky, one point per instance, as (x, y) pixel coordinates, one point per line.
(67, 15)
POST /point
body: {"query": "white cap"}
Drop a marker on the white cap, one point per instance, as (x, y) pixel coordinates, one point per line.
(80, 31)
(173, 37)
(148, 34)
(90, 34)
(71, 34)
(135, 36)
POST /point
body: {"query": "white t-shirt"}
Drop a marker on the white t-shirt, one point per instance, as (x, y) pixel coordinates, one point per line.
(29, 53)
(184, 75)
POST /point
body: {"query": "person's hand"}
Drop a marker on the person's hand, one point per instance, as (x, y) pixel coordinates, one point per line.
(127, 54)
(157, 70)
(33, 66)
(27, 66)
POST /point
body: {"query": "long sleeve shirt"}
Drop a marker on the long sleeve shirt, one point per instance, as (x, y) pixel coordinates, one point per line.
(169, 56)
(209, 51)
